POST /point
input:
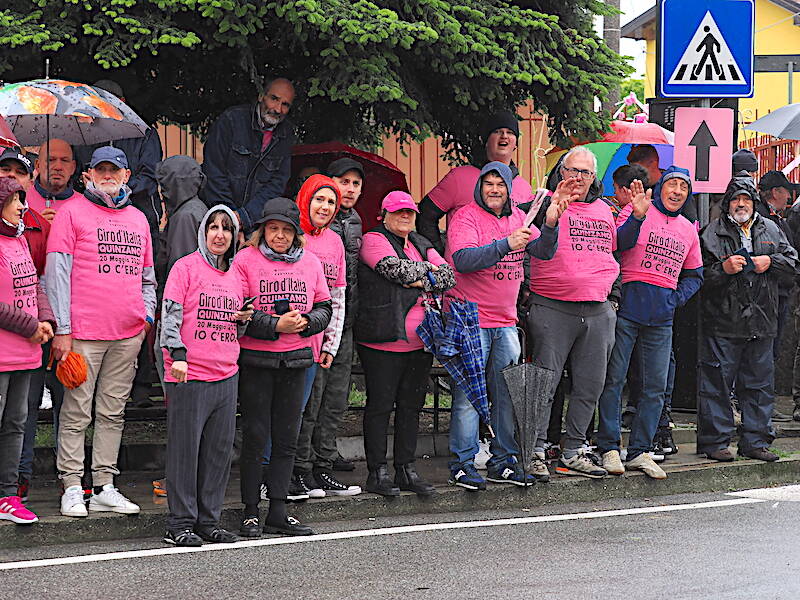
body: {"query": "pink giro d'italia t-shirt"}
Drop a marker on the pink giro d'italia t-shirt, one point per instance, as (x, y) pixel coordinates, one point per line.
(583, 268)
(209, 298)
(39, 204)
(302, 283)
(110, 248)
(494, 289)
(18, 282)
(329, 249)
(665, 246)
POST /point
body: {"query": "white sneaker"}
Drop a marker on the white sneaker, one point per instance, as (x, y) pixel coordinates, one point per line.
(612, 462)
(111, 500)
(482, 456)
(47, 400)
(72, 504)
(644, 463)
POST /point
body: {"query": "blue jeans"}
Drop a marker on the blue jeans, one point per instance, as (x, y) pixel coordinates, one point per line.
(308, 385)
(500, 347)
(655, 345)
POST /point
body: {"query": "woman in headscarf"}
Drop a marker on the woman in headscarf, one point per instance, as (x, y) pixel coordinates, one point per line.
(202, 317)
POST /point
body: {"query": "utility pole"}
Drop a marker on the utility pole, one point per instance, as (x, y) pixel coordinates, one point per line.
(611, 38)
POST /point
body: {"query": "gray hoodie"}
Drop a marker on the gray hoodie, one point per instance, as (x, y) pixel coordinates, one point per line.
(171, 311)
(181, 179)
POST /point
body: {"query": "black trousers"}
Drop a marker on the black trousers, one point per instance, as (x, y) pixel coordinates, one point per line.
(271, 401)
(201, 423)
(399, 381)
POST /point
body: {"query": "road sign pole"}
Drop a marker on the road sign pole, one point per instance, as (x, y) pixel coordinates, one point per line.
(703, 198)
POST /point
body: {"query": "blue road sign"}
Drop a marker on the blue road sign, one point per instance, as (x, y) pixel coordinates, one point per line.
(707, 48)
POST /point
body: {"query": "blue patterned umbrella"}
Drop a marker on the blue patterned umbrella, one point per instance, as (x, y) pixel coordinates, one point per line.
(454, 338)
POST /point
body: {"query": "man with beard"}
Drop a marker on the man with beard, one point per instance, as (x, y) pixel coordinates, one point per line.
(247, 157)
(746, 259)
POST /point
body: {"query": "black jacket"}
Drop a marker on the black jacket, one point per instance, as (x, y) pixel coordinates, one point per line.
(262, 327)
(347, 225)
(383, 304)
(744, 305)
(239, 174)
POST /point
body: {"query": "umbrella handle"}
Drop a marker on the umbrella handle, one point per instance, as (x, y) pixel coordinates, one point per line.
(491, 431)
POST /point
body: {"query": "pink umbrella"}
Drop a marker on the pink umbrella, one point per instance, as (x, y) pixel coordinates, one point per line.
(7, 138)
(627, 132)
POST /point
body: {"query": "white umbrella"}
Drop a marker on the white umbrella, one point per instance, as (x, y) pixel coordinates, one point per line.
(783, 122)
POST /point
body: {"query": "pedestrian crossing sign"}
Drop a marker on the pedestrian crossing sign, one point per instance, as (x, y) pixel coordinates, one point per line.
(706, 48)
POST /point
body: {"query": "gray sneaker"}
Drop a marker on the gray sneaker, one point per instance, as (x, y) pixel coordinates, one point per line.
(644, 463)
(538, 467)
(612, 463)
(580, 464)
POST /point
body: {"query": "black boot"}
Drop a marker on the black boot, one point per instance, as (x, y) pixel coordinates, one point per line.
(379, 482)
(407, 478)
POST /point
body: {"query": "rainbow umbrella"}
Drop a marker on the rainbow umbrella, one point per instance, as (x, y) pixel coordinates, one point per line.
(611, 156)
(77, 113)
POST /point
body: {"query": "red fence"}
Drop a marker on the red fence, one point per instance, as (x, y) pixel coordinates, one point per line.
(774, 154)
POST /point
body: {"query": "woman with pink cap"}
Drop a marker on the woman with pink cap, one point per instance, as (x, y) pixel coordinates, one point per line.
(397, 266)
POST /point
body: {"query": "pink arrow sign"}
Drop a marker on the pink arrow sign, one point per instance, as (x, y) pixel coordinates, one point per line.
(704, 145)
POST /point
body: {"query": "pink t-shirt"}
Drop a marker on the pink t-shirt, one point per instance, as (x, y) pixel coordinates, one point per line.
(583, 268)
(494, 289)
(374, 247)
(329, 249)
(665, 246)
(18, 288)
(38, 203)
(209, 298)
(110, 248)
(457, 189)
(302, 283)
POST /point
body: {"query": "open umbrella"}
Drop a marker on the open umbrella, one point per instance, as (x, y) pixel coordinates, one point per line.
(611, 156)
(454, 338)
(629, 132)
(77, 113)
(7, 139)
(380, 176)
(783, 122)
(530, 387)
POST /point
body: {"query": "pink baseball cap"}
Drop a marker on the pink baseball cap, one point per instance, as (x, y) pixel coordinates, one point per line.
(398, 200)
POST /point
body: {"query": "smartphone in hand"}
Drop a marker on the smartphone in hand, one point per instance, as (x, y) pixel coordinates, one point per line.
(248, 303)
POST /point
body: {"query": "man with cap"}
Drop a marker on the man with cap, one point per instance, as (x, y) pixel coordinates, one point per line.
(14, 164)
(661, 269)
(316, 445)
(247, 156)
(486, 241)
(101, 285)
(455, 190)
(746, 259)
(53, 188)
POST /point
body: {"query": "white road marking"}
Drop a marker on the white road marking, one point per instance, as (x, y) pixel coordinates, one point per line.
(344, 535)
(786, 493)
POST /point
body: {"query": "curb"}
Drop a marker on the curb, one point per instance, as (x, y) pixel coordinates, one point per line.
(707, 478)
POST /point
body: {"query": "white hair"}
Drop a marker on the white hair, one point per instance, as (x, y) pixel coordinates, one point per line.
(581, 150)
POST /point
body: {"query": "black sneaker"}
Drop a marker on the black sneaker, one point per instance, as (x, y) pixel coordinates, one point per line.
(250, 528)
(186, 538)
(333, 486)
(216, 535)
(289, 527)
(307, 480)
(667, 443)
(298, 492)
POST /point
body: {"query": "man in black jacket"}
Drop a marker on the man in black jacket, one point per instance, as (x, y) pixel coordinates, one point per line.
(747, 259)
(247, 156)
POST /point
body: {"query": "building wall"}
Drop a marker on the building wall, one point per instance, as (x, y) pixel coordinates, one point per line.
(420, 162)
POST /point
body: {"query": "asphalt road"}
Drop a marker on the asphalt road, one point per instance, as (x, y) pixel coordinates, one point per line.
(703, 546)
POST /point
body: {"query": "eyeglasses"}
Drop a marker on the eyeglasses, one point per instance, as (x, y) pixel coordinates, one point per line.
(570, 173)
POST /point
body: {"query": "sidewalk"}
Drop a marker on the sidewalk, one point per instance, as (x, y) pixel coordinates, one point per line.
(687, 473)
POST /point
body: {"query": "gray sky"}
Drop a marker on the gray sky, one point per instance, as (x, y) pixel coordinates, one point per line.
(632, 9)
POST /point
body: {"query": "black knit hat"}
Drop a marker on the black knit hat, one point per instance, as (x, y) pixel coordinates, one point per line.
(281, 209)
(500, 120)
(744, 160)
